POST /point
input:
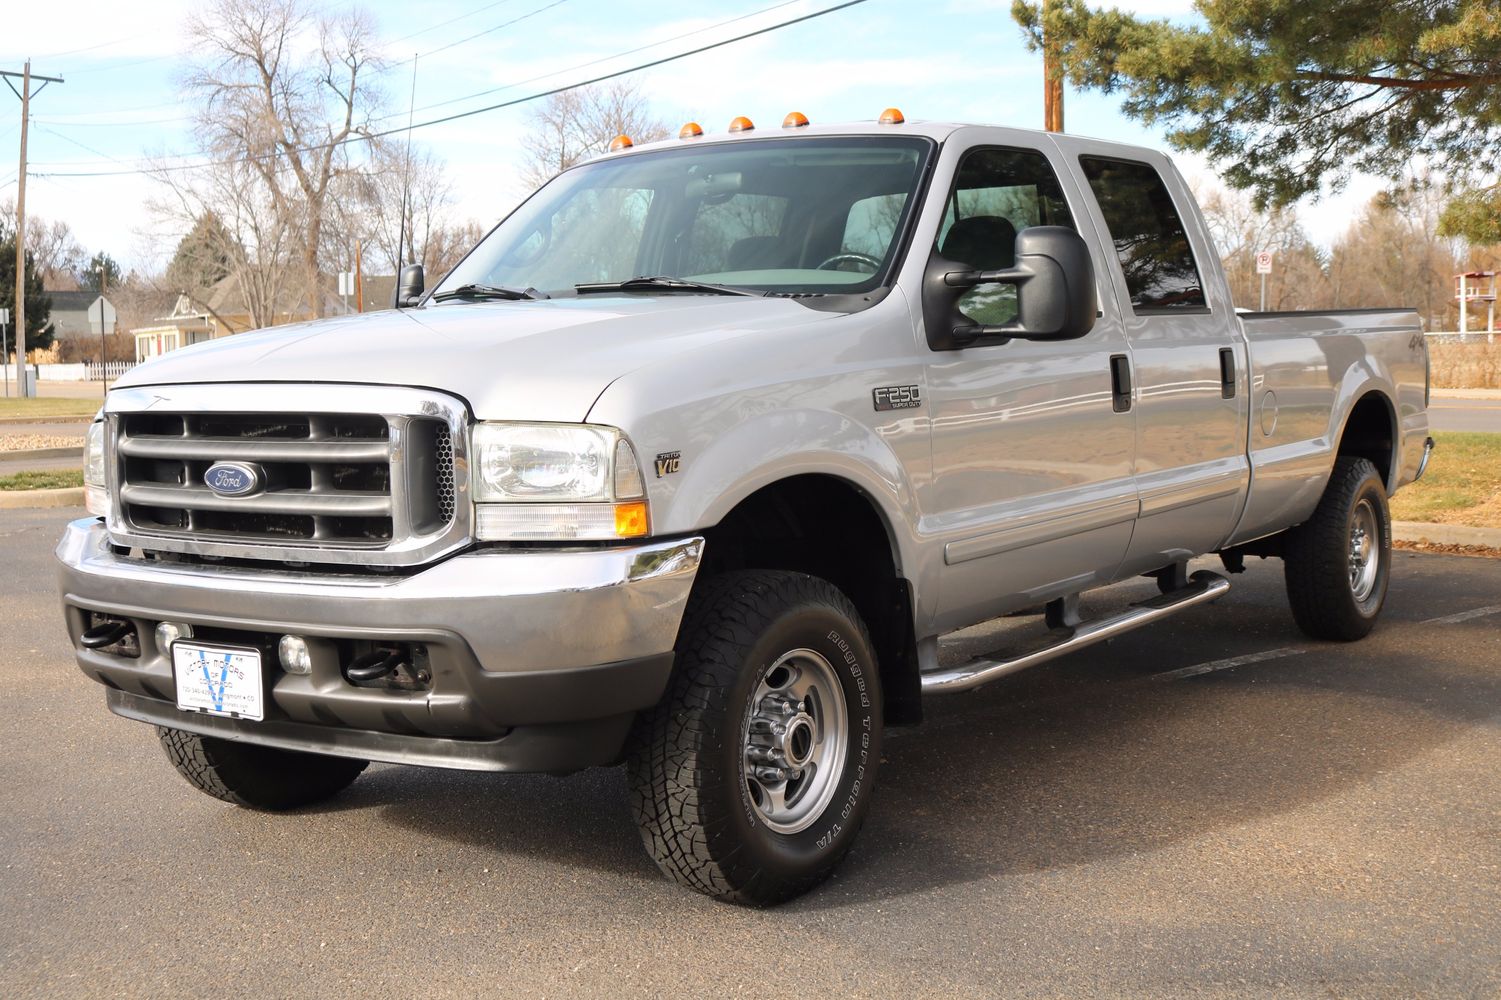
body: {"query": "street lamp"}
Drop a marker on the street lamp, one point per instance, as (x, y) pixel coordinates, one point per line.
(103, 345)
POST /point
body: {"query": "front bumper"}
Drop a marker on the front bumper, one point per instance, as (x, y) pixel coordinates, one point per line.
(539, 658)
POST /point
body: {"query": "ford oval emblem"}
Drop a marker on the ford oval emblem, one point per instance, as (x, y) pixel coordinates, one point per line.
(234, 479)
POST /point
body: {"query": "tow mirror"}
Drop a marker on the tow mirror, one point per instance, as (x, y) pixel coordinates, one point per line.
(409, 287)
(1048, 294)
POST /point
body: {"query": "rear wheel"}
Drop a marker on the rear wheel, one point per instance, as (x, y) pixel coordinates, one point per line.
(751, 778)
(254, 776)
(1337, 564)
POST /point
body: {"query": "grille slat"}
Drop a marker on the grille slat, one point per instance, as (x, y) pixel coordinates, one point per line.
(279, 502)
(380, 482)
(216, 449)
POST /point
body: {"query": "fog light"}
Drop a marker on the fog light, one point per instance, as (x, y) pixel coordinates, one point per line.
(169, 632)
(294, 655)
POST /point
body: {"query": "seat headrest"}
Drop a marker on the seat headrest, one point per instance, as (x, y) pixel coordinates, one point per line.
(984, 242)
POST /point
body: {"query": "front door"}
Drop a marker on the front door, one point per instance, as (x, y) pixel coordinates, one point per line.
(1033, 494)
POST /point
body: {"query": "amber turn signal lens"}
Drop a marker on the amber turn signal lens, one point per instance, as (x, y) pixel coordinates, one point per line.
(741, 124)
(621, 142)
(892, 116)
(630, 519)
(690, 131)
(795, 120)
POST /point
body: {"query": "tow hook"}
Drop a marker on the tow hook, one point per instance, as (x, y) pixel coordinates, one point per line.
(105, 633)
(373, 665)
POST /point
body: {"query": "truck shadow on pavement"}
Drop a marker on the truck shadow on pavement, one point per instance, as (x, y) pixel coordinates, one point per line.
(1078, 762)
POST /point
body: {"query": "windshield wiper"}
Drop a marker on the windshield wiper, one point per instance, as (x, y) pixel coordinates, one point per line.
(488, 292)
(663, 283)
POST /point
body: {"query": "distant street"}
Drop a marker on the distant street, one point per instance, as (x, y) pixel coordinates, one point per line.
(1214, 807)
(1445, 413)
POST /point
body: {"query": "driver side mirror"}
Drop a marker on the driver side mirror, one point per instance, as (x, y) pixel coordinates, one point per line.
(409, 287)
(1054, 287)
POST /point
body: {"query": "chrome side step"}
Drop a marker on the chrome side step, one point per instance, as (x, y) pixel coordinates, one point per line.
(1202, 586)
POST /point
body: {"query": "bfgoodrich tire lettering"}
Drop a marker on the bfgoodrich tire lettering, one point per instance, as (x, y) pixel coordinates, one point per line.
(1337, 564)
(692, 792)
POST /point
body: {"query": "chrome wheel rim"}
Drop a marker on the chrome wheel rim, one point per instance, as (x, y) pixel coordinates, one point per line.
(1365, 551)
(794, 740)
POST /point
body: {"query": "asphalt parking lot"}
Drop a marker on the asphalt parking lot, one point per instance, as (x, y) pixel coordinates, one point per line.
(1213, 807)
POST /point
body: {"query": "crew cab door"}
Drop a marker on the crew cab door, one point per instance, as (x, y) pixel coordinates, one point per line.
(1032, 493)
(1189, 356)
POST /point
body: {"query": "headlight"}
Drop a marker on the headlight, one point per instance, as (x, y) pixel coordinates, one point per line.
(95, 493)
(553, 482)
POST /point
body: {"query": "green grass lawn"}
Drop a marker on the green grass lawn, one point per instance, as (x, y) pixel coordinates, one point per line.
(52, 480)
(14, 406)
(1462, 485)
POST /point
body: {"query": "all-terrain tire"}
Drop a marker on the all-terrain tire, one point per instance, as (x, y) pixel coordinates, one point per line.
(254, 776)
(1331, 597)
(702, 815)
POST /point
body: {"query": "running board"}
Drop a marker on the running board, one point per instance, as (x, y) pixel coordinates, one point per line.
(1202, 586)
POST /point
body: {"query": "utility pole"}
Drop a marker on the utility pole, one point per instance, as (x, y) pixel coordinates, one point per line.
(1052, 83)
(103, 345)
(359, 279)
(25, 95)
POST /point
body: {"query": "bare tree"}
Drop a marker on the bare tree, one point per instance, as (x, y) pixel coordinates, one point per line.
(254, 242)
(1241, 231)
(56, 253)
(1393, 255)
(574, 125)
(282, 88)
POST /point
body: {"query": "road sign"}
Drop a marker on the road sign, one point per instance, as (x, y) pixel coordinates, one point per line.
(4, 317)
(1264, 262)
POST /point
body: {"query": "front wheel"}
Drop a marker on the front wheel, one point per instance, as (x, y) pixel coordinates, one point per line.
(1337, 564)
(254, 776)
(751, 777)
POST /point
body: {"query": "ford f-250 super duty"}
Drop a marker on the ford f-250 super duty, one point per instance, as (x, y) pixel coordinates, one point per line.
(691, 462)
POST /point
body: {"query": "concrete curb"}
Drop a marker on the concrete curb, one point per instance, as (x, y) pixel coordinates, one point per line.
(1445, 534)
(61, 418)
(71, 496)
(27, 453)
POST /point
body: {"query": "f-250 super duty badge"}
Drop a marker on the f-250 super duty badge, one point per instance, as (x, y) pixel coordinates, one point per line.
(897, 397)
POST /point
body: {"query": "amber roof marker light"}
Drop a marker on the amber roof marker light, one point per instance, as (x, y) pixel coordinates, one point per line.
(742, 124)
(795, 119)
(892, 116)
(692, 130)
(620, 142)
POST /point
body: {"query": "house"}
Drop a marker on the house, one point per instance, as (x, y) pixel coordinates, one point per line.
(76, 314)
(223, 312)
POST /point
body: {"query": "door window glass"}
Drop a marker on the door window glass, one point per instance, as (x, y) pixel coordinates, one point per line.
(997, 194)
(1148, 233)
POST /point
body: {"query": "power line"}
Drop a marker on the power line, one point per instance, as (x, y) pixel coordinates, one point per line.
(480, 34)
(474, 111)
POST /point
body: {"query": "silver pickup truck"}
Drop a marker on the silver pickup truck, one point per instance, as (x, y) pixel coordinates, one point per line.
(693, 460)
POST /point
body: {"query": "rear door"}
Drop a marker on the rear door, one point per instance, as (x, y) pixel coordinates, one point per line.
(1188, 354)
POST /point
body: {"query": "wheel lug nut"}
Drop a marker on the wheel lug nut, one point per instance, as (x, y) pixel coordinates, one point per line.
(770, 774)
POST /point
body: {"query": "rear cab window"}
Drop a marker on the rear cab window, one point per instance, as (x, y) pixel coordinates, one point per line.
(1150, 240)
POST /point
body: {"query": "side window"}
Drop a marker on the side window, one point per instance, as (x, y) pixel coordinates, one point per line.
(1148, 234)
(997, 194)
(737, 232)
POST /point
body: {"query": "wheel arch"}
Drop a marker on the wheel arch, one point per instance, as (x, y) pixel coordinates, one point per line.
(1369, 431)
(830, 527)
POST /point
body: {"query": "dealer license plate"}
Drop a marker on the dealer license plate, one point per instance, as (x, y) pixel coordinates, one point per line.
(219, 680)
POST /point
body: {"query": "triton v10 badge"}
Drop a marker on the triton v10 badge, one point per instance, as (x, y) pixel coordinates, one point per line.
(668, 463)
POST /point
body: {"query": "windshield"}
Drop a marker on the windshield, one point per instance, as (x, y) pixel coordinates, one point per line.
(806, 215)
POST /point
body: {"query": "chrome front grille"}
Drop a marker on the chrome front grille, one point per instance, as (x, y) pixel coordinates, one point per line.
(343, 474)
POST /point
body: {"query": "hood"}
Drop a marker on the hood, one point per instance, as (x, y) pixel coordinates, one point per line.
(526, 360)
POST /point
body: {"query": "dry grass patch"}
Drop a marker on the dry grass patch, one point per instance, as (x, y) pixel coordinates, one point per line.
(1465, 366)
(51, 480)
(1462, 485)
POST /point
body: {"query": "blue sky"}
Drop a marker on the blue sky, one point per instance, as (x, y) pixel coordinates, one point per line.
(944, 59)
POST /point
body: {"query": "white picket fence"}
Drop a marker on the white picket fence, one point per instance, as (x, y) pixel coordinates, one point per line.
(83, 371)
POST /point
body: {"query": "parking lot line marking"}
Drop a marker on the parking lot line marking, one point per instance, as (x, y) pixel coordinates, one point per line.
(1464, 616)
(1234, 661)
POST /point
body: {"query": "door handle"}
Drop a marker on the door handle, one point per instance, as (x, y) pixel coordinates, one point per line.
(1227, 372)
(1120, 382)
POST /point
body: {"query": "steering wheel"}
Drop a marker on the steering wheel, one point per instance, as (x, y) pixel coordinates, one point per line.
(858, 258)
